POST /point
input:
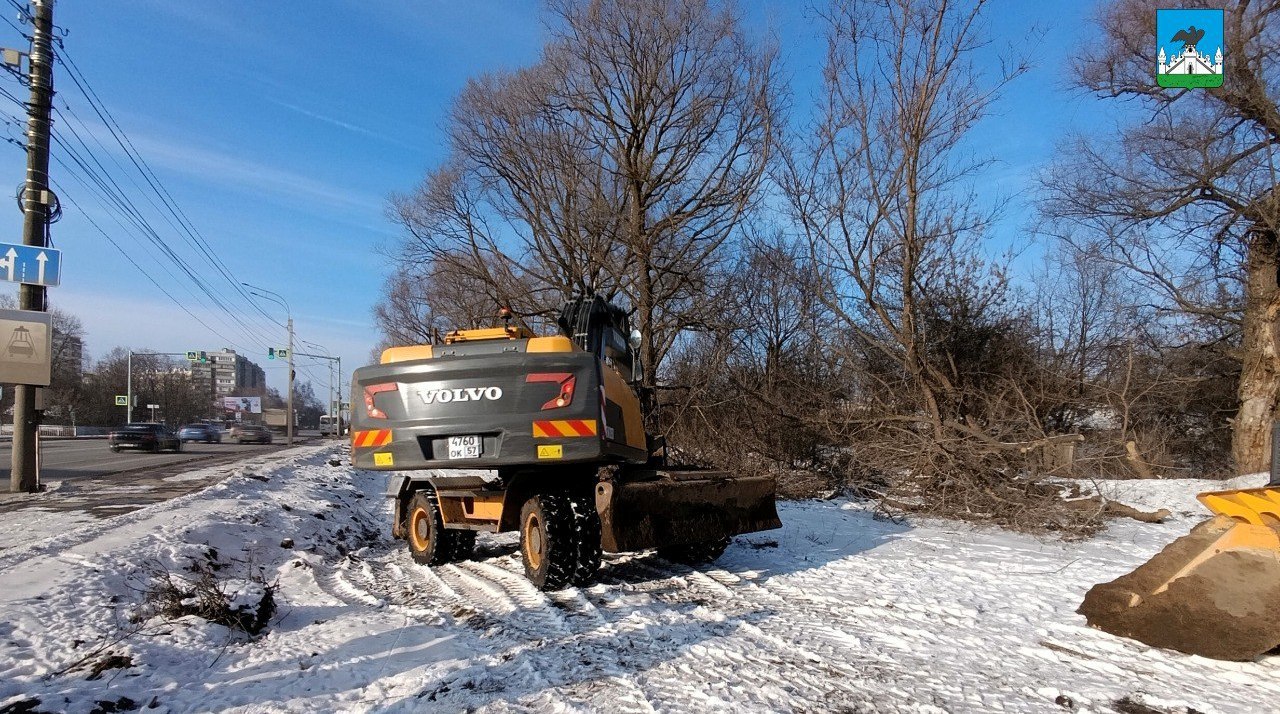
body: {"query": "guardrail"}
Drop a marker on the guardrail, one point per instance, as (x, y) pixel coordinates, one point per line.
(56, 430)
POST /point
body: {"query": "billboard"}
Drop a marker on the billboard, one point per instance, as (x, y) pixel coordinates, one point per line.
(244, 405)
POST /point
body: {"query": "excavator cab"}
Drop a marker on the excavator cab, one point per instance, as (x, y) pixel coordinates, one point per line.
(601, 328)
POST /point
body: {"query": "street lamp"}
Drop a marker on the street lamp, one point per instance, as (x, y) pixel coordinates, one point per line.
(288, 409)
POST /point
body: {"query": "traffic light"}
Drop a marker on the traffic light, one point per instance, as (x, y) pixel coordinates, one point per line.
(271, 353)
(204, 356)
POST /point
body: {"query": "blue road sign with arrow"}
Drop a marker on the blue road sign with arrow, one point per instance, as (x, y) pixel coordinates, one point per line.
(30, 264)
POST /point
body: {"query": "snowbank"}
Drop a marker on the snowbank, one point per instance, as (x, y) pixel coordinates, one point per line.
(836, 611)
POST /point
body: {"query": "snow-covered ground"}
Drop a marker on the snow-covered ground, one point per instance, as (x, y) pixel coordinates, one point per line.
(835, 612)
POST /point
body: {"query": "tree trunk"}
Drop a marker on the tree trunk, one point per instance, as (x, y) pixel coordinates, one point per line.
(1260, 372)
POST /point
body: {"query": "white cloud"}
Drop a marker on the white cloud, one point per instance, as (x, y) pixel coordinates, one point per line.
(342, 124)
(237, 172)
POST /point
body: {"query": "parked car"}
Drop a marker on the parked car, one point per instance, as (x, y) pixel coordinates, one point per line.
(207, 433)
(251, 433)
(149, 436)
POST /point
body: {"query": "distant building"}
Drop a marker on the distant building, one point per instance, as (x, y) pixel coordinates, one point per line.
(68, 356)
(233, 374)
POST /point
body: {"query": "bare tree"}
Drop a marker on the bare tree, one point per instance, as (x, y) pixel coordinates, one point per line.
(939, 411)
(1084, 308)
(422, 302)
(622, 162)
(750, 390)
(1185, 199)
(879, 189)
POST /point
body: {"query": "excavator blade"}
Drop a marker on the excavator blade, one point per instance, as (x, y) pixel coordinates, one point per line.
(683, 508)
(1214, 592)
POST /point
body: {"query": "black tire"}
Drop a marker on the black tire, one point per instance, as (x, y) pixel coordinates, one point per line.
(587, 523)
(462, 544)
(695, 553)
(424, 531)
(115, 449)
(558, 545)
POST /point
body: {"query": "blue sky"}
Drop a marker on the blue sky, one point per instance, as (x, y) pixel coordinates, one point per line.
(280, 128)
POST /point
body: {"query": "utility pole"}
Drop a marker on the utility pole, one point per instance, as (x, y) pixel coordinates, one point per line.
(288, 408)
(35, 222)
(128, 391)
(330, 409)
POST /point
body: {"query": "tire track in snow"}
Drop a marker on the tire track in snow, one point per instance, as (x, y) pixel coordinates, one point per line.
(593, 645)
(683, 643)
(572, 647)
(633, 646)
(543, 637)
(336, 581)
(791, 654)
(472, 602)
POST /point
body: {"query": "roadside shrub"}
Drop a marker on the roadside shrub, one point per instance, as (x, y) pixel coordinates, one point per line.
(240, 602)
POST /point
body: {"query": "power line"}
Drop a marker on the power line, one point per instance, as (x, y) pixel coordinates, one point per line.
(102, 176)
(75, 143)
(125, 143)
(110, 196)
(115, 194)
(24, 10)
(63, 194)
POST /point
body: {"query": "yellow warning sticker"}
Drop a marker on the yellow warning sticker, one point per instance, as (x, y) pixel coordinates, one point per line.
(383, 459)
(550, 451)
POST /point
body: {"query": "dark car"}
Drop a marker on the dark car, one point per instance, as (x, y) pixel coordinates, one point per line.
(251, 434)
(148, 436)
(200, 432)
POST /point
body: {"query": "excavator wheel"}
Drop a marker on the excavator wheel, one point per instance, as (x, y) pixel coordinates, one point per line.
(556, 541)
(694, 553)
(429, 542)
(586, 524)
(463, 545)
(424, 530)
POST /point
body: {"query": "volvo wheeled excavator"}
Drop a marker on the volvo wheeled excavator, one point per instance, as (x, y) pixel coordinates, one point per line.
(498, 430)
(1214, 592)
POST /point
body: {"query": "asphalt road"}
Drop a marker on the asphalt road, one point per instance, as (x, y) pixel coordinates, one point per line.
(84, 476)
(65, 459)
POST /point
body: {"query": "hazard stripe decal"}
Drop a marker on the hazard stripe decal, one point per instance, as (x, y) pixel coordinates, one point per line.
(561, 428)
(376, 437)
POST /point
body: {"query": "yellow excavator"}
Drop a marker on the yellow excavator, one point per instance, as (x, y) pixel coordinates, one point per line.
(499, 430)
(1214, 592)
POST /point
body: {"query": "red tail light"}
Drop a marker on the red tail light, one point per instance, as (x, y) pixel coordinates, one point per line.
(369, 391)
(567, 382)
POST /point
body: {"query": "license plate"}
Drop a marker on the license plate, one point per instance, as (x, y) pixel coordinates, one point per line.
(465, 447)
